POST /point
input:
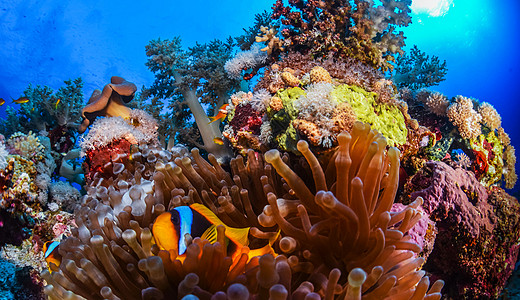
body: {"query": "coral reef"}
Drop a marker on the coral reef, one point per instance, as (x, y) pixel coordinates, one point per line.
(46, 111)
(462, 115)
(476, 246)
(112, 254)
(383, 185)
(109, 102)
(18, 283)
(417, 70)
(191, 79)
(314, 106)
(361, 30)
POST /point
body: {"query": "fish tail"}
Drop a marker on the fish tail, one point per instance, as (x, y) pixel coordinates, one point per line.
(267, 249)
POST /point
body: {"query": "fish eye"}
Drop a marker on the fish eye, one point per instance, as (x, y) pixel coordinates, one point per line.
(175, 220)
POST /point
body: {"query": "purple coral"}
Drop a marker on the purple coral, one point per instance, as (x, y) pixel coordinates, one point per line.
(476, 246)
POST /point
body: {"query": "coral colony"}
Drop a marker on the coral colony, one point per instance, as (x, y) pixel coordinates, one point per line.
(310, 163)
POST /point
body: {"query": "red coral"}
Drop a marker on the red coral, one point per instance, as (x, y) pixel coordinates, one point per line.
(246, 119)
(99, 161)
(480, 165)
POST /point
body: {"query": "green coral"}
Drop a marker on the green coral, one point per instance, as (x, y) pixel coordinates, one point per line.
(284, 133)
(440, 149)
(491, 147)
(385, 118)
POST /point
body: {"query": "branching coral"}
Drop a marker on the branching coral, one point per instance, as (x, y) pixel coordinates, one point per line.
(360, 30)
(192, 78)
(418, 70)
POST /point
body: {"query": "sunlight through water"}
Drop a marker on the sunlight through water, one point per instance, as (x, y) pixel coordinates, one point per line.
(434, 8)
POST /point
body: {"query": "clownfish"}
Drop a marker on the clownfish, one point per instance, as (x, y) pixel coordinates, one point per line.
(52, 255)
(222, 113)
(197, 220)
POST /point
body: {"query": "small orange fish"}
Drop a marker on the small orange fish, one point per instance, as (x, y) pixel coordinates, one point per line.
(222, 113)
(218, 141)
(50, 250)
(2, 101)
(58, 102)
(21, 100)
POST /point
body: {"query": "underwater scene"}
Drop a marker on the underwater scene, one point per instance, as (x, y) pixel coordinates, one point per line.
(267, 149)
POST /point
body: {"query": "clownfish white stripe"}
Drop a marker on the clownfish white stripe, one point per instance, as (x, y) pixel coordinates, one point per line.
(186, 220)
(51, 248)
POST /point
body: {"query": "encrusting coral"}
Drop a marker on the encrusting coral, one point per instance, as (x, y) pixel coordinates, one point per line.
(112, 254)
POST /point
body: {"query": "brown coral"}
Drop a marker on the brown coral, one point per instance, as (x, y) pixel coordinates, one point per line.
(109, 102)
(437, 103)
(319, 74)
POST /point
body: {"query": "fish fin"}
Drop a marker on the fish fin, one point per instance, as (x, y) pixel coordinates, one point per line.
(267, 249)
(207, 213)
(237, 235)
(210, 234)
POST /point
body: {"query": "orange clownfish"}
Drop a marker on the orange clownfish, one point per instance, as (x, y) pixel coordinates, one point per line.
(197, 220)
(52, 255)
(222, 113)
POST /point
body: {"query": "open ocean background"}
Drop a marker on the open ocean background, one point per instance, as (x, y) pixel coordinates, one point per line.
(47, 42)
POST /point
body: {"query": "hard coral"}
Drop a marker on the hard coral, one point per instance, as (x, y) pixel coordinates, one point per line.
(478, 230)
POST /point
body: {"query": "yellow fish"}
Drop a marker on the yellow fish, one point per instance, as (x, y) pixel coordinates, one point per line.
(218, 141)
(52, 256)
(222, 113)
(2, 101)
(197, 220)
(58, 102)
(21, 100)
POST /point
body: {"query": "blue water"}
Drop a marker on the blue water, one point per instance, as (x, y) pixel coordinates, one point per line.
(46, 43)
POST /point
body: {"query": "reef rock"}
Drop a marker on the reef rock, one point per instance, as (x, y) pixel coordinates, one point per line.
(476, 246)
